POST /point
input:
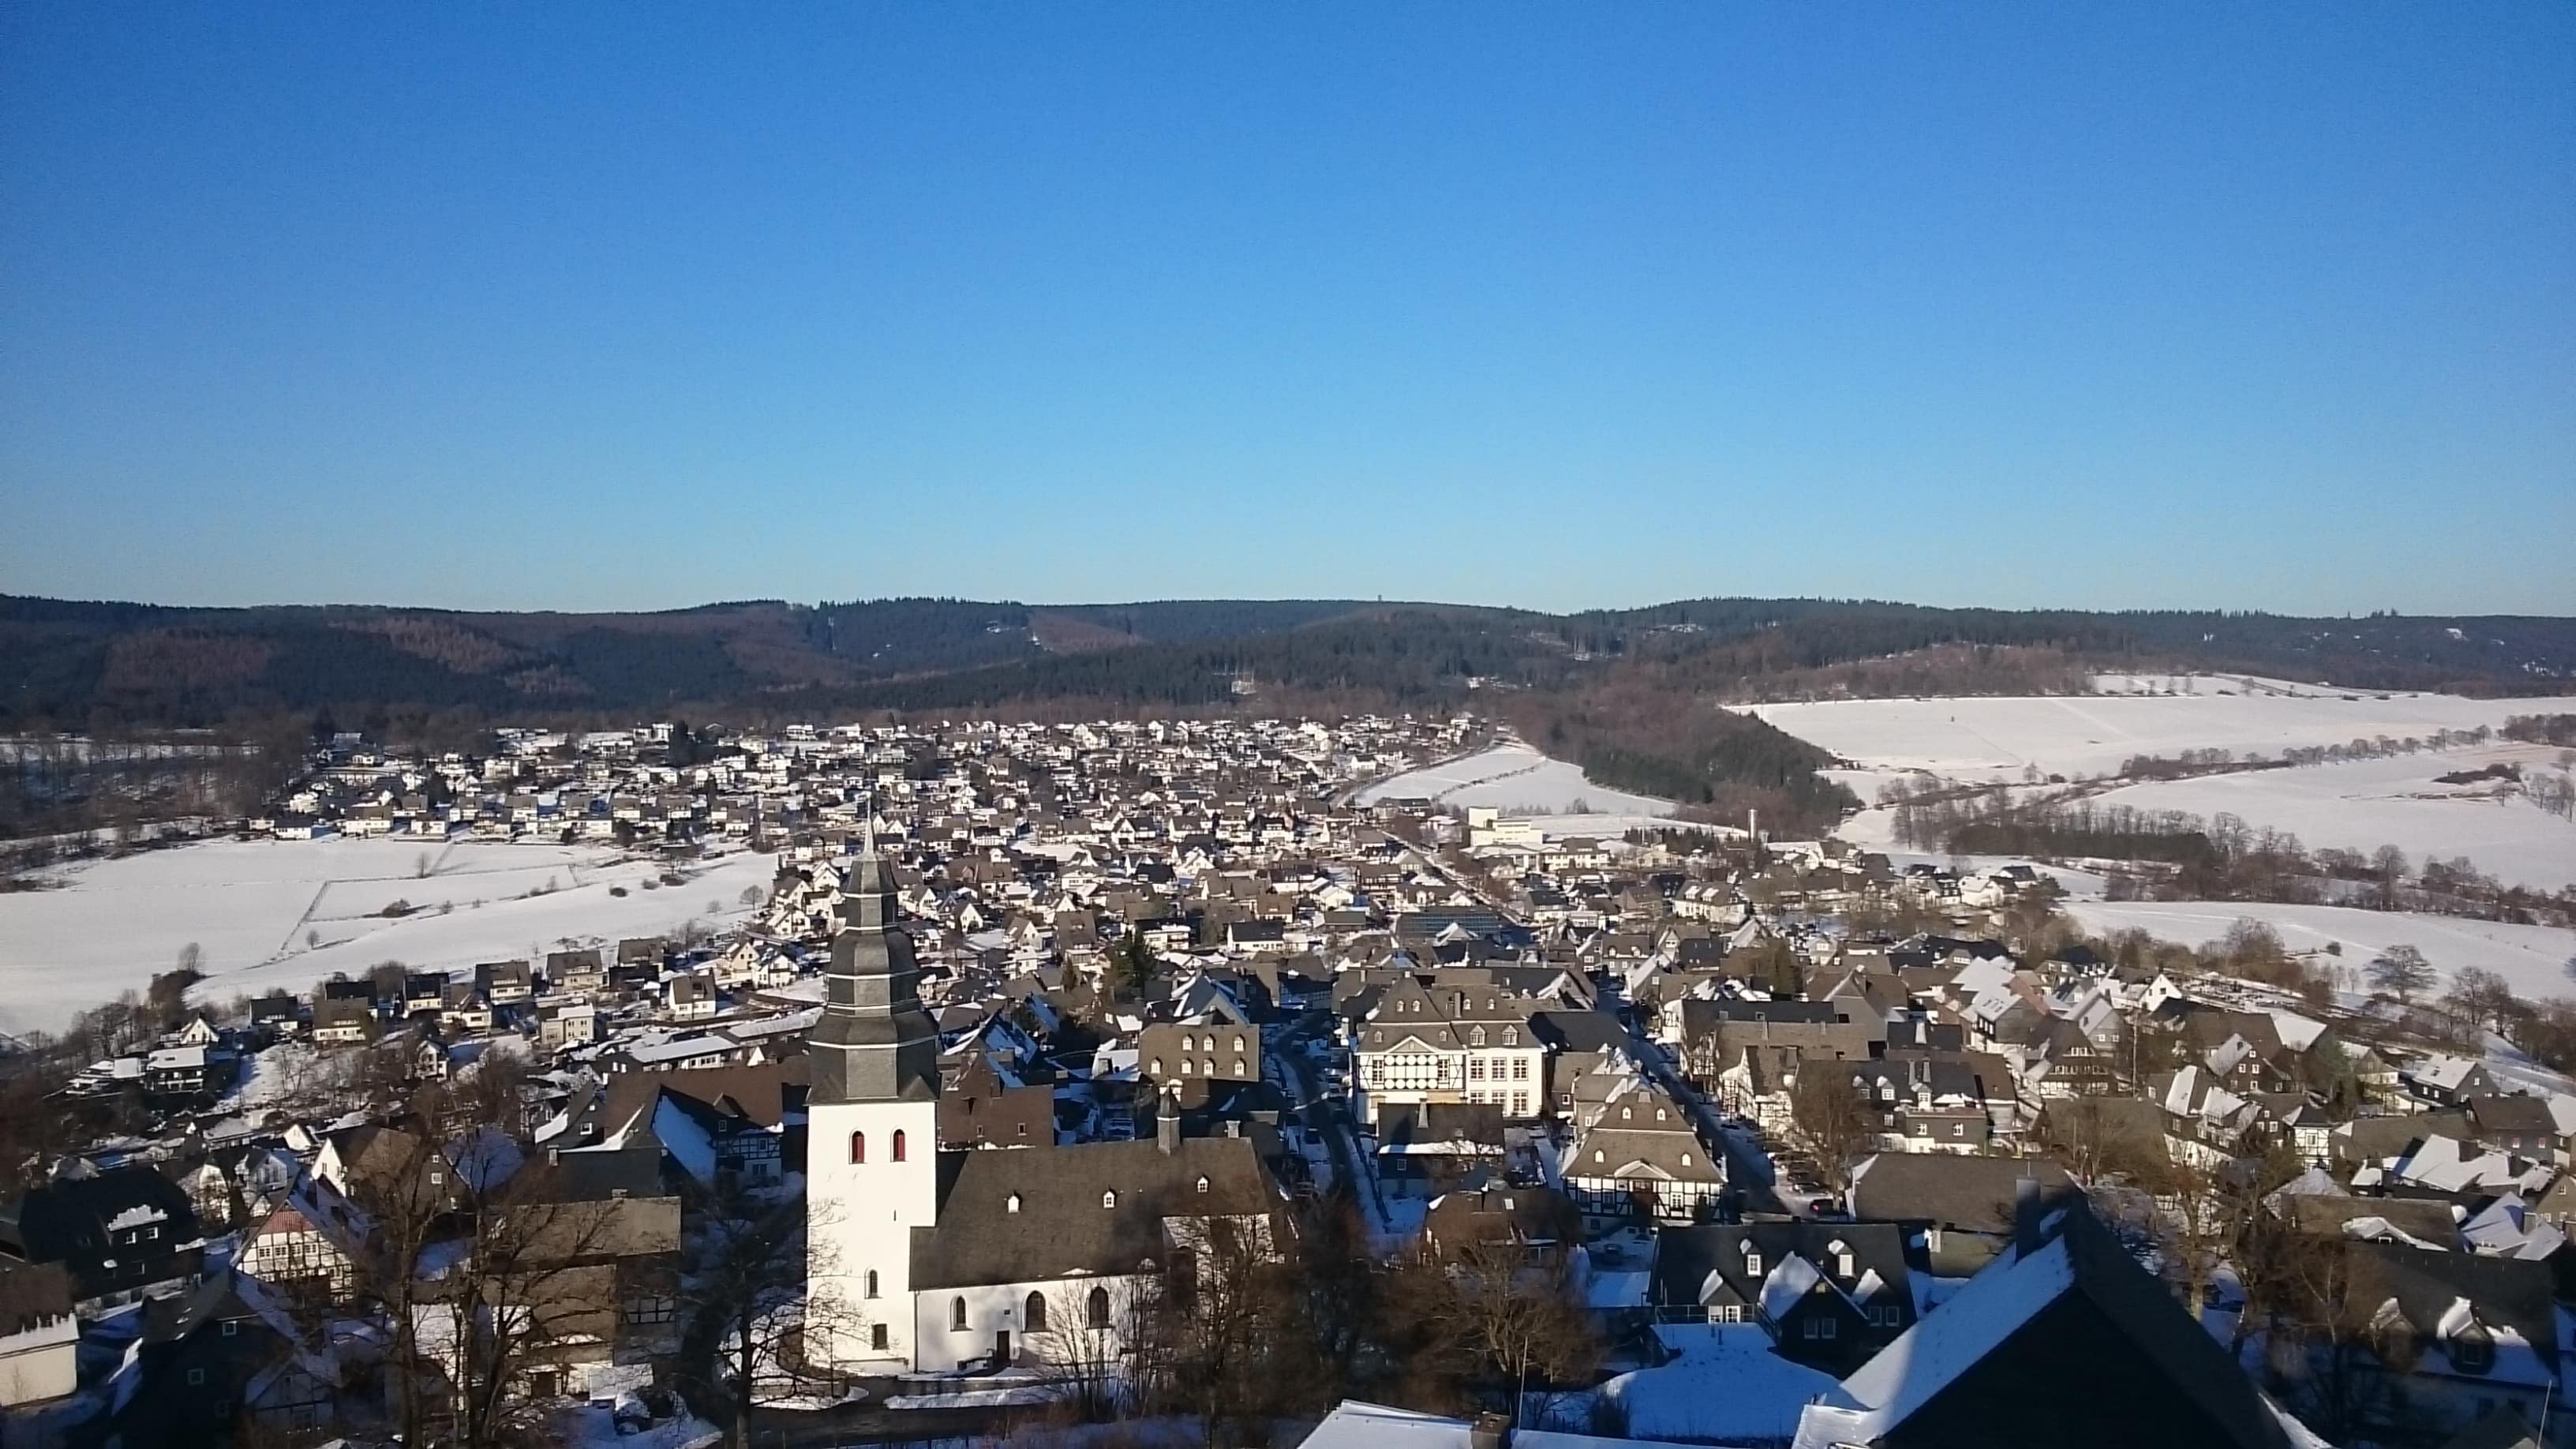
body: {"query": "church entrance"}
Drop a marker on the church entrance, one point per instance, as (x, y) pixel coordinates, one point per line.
(1002, 1348)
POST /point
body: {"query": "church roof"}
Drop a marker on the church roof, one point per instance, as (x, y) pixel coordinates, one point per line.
(1066, 1222)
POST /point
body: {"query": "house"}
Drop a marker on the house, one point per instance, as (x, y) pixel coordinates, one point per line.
(116, 1232)
(690, 997)
(575, 972)
(1172, 1051)
(1452, 1037)
(2062, 1340)
(1423, 1150)
(277, 1014)
(39, 1337)
(1962, 1206)
(505, 983)
(1830, 1294)
(597, 1241)
(2520, 1125)
(1638, 1151)
(311, 1245)
(1534, 1218)
(188, 1071)
(343, 1020)
(222, 1362)
(567, 1023)
(2456, 1335)
(982, 1106)
(2447, 1081)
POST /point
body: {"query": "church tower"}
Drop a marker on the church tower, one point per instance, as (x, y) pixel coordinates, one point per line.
(872, 1114)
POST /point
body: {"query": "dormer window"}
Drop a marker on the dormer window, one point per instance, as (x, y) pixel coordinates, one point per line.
(1202, 1185)
(2473, 1350)
(1511, 1036)
(1011, 1204)
(1109, 1199)
(1627, 1112)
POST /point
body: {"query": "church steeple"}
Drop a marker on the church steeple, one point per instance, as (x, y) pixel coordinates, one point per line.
(874, 1043)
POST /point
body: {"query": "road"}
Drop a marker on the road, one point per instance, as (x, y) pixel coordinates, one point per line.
(1327, 1115)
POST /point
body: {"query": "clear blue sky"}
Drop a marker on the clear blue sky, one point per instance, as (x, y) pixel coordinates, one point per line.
(591, 306)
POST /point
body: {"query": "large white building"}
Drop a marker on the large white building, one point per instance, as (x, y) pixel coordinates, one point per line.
(927, 1262)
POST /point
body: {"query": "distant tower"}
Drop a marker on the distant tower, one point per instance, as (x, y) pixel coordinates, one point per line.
(872, 1119)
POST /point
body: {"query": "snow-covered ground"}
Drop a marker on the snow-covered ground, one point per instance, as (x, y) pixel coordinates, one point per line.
(1516, 779)
(2072, 735)
(2364, 804)
(2533, 959)
(1726, 1384)
(285, 914)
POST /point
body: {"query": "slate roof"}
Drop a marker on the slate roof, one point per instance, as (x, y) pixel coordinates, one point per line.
(1061, 1227)
(1973, 1194)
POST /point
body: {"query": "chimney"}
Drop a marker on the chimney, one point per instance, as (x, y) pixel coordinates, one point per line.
(1167, 1124)
(2025, 1214)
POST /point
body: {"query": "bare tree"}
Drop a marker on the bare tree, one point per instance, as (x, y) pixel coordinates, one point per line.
(1829, 1112)
(1487, 1313)
(2402, 971)
(750, 1309)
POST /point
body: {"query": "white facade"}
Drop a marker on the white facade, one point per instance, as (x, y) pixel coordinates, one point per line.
(872, 1176)
(41, 1362)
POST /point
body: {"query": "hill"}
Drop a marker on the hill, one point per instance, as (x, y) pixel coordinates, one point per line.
(1625, 693)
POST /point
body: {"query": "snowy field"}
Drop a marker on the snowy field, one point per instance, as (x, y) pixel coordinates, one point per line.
(2075, 735)
(2533, 959)
(285, 914)
(2364, 804)
(1516, 779)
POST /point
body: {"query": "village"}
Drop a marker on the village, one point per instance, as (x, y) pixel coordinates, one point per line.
(1047, 1042)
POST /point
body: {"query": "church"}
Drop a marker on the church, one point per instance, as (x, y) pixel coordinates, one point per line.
(926, 1261)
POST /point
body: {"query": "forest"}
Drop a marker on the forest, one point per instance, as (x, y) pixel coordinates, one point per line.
(1631, 695)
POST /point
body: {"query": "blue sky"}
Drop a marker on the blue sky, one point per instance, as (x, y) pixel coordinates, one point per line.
(606, 306)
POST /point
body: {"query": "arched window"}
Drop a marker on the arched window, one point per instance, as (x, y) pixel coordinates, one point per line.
(1095, 1308)
(898, 1144)
(858, 1147)
(957, 1315)
(872, 1282)
(1033, 1314)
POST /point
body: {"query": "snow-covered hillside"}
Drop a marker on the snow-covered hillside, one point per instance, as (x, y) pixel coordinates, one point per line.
(2092, 734)
(2532, 958)
(285, 914)
(1512, 777)
(2396, 800)
(2356, 805)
